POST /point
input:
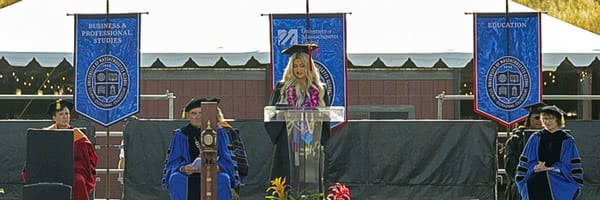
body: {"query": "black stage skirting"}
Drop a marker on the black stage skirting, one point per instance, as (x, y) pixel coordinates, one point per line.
(408, 159)
(13, 149)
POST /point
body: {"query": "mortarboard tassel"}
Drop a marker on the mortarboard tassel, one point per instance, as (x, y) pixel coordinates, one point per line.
(58, 104)
(310, 61)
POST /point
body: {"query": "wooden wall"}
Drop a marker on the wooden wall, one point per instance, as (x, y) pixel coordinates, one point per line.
(245, 99)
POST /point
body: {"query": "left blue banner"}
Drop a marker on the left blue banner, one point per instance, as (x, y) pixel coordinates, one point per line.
(107, 66)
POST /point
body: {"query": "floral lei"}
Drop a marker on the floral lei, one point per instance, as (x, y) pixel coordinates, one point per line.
(292, 98)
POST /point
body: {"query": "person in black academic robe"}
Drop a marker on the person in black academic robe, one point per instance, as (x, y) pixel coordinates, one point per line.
(300, 87)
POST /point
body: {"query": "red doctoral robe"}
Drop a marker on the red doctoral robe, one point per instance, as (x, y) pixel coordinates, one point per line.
(84, 165)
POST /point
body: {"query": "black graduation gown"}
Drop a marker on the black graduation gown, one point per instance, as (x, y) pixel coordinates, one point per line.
(513, 149)
(282, 164)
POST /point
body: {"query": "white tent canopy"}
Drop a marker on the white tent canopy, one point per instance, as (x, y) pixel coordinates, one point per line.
(424, 31)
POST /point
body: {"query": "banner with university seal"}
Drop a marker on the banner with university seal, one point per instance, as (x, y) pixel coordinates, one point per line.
(328, 31)
(507, 65)
(107, 66)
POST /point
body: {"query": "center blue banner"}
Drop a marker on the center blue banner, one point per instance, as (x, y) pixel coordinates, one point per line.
(328, 31)
(107, 66)
(507, 65)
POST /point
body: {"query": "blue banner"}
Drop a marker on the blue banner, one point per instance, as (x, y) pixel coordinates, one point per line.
(328, 31)
(507, 65)
(107, 66)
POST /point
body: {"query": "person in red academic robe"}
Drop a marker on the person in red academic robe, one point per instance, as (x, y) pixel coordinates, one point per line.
(84, 157)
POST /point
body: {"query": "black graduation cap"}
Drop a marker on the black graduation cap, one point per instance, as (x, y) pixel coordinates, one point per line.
(196, 103)
(534, 108)
(58, 105)
(553, 110)
(557, 112)
(304, 48)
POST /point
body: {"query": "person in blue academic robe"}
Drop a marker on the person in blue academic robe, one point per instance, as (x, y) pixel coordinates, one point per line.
(182, 170)
(550, 166)
(515, 145)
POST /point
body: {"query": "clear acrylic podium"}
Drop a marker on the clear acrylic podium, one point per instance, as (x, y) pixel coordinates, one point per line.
(306, 154)
(285, 113)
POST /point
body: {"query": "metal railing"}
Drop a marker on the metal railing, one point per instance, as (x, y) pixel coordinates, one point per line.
(168, 95)
(443, 96)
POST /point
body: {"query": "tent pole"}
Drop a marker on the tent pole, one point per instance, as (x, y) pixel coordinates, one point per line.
(308, 39)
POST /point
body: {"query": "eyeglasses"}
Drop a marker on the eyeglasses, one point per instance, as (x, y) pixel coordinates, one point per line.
(537, 117)
(548, 118)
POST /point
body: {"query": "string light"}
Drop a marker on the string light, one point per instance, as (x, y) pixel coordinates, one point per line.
(582, 76)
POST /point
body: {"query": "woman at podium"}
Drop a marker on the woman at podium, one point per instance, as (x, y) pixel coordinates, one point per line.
(300, 88)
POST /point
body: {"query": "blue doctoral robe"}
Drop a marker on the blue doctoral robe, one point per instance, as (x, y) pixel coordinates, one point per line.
(179, 155)
(558, 150)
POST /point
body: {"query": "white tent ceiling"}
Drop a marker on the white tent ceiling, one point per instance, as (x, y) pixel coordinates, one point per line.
(424, 31)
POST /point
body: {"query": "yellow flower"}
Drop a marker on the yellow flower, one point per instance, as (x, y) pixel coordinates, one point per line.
(278, 186)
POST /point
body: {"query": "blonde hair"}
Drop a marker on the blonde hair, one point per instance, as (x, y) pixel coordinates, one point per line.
(313, 79)
(220, 117)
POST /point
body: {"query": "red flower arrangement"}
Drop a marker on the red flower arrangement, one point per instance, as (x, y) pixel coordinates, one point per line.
(339, 192)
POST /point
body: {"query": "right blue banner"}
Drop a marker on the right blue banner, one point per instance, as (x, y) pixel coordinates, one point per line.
(507, 65)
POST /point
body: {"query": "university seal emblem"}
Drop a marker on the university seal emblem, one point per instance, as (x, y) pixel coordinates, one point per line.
(107, 81)
(508, 83)
(326, 78)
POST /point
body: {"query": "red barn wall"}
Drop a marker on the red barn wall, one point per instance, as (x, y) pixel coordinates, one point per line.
(245, 99)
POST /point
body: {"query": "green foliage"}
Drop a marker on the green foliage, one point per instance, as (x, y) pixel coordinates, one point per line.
(581, 13)
(281, 191)
(297, 196)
